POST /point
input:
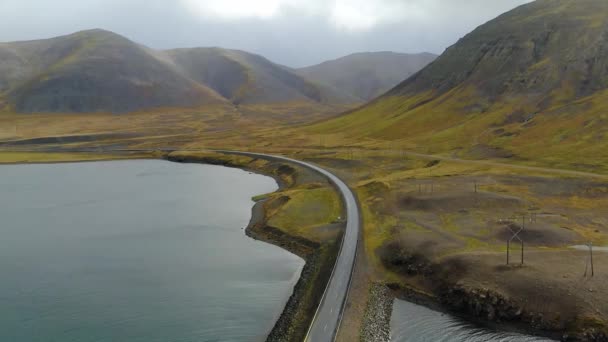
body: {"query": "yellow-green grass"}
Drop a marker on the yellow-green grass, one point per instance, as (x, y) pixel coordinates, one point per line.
(306, 211)
(311, 206)
(57, 157)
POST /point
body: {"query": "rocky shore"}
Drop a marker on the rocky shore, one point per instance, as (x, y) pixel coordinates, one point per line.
(377, 318)
(293, 323)
(487, 308)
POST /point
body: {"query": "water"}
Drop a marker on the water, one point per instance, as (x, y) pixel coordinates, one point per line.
(586, 248)
(415, 323)
(136, 251)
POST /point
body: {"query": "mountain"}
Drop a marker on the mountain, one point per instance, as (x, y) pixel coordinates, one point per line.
(93, 71)
(528, 85)
(243, 77)
(100, 71)
(367, 75)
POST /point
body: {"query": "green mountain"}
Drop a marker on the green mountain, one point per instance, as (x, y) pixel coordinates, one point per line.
(529, 85)
(367, 75)
(99, 71)
(93, 71)
(245, 78)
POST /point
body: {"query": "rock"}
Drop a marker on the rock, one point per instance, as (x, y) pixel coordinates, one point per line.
(377, 318)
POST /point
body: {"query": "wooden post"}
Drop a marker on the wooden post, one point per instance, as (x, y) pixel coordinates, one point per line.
(591, 257)
(586, 266)
(522, 252)
(523, 225)
(508, 248)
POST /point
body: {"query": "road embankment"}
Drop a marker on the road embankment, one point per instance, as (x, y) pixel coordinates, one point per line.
(318, 246)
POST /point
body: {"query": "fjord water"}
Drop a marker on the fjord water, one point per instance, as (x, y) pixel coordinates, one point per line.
(415, 323)
(136, 251)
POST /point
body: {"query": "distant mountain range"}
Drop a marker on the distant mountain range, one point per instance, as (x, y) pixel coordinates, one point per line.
(532, 82)
(100, 71)
(367, 75)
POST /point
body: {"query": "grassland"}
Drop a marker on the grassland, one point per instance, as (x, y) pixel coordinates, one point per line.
(420, 210)
(42, 157)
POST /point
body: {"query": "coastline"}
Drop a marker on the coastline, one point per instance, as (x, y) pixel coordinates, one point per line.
(299, 310)
(296, 316)
(453, 300)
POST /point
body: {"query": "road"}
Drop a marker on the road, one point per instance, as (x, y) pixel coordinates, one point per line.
(326, 322)
(564, 172)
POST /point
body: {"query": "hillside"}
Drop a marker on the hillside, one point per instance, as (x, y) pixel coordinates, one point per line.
(245, 78)
(367, 75)
(93, 71)
(529, 85)
(99, 71)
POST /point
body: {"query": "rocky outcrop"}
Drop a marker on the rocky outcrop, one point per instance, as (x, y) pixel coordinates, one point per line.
(482, 303)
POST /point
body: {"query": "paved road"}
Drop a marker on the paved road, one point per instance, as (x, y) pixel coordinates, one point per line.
(327, 319)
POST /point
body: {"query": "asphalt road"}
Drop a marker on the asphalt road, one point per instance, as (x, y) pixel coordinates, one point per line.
(327, 319)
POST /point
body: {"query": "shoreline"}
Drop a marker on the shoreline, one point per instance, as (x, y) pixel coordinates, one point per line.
(295, 319)
(312, 254)
(319, 259)
(399, 292)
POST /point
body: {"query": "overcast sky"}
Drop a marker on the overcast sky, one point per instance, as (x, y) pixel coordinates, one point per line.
(290, 32)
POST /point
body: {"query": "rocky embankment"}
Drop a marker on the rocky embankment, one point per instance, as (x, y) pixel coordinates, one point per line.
(377, 319)
(440, 289)
(293, 323)
(490, 306)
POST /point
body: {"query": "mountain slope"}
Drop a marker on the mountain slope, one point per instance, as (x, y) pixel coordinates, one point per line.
(529, 85)
(534, 49)
(94, 71)
(367, 75)
(99, 71)
(245, 78)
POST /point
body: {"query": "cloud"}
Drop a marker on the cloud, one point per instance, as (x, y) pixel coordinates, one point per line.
(290, 32)
(235, 9)
(350, 15)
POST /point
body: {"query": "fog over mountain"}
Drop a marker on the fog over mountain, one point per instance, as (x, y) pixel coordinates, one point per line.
(295, 33)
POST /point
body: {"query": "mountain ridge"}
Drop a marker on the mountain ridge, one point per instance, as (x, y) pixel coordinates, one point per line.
(101, 71)
(366, 75)
(530, 84)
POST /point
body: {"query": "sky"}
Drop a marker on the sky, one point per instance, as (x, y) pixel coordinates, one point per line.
(295, 33)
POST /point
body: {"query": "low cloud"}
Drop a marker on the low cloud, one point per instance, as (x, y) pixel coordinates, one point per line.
(291, 32)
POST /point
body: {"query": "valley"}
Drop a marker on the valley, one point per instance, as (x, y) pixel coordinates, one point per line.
(500, 138)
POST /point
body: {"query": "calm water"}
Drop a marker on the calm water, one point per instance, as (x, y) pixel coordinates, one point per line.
(415, 323)
(136, 251)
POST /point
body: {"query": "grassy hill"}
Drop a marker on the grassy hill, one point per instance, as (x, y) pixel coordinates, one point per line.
(246, 78)
(99, 71)
(367, 75)
(93, 71)
(530, 85)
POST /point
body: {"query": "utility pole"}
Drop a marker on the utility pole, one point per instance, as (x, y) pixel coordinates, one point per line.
(589, 259)
(523, 226)
(516, 236)
(591, 254)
